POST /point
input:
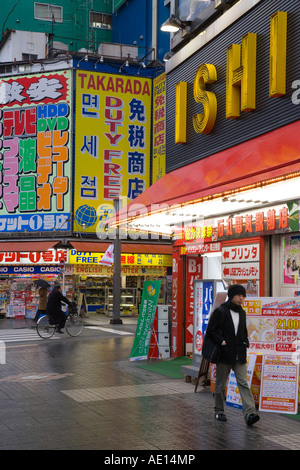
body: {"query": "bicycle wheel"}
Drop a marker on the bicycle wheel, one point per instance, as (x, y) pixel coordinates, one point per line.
(74, 325)
(44, 329)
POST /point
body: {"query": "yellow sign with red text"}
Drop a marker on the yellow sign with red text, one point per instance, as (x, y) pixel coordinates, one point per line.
(112, 144)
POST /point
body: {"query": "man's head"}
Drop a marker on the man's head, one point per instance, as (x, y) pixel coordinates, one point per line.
(237, 294)
(56, 286)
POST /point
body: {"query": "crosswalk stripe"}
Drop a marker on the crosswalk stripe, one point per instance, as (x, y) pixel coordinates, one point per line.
(109, 330)
(15, 335)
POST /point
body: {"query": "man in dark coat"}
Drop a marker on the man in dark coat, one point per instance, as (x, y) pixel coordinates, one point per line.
(54, 307)
(227, 327)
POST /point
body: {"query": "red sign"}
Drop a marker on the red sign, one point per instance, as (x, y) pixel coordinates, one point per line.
(193, 271)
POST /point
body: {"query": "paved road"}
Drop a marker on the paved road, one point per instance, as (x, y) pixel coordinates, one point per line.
(83, 394)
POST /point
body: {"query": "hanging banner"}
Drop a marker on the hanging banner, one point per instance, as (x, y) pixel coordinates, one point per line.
(159, 127)
(108, 257)
(143, 332)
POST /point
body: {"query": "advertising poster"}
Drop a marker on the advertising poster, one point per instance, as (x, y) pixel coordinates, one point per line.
(273, 324)
(112, 145)
(35, 138)
(279, 384)
(203, 301)
(144, 327)
(291, 259)
(159, 128)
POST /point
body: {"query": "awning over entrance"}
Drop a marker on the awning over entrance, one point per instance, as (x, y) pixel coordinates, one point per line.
(33, 246)
(269, 156)
(138, 248)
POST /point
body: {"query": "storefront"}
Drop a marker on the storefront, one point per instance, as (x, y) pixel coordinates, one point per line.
(79, 272)
(230, 198)
(138, 263)
(21, 264)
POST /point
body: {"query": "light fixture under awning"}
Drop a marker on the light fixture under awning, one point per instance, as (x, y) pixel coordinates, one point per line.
(261, 171)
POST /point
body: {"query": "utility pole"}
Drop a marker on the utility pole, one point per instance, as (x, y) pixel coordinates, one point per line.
(117, 271)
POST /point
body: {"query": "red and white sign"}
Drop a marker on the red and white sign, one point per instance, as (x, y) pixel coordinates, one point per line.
(240, 253)
(193, 272)
(240, 271)
(201, 248)
(45, 257)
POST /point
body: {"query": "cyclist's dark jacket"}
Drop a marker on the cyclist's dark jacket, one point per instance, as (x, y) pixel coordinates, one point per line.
(55, 298)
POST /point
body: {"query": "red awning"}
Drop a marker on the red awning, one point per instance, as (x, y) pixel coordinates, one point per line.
(33, 246)
(274, 154)
(139, 248)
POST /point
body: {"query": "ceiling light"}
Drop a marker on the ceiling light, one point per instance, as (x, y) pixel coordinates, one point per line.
(173, 24)
(168, 56)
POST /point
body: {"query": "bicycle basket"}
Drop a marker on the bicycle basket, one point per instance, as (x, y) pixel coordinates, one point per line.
(73, 308)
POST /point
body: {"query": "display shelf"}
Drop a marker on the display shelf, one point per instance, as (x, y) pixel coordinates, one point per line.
(128, 304)
(94, 290)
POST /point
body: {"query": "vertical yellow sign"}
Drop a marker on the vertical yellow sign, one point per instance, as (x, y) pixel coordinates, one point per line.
(112, 144)
(159, 127)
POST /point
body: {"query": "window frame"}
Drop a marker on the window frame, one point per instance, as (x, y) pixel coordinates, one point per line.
(103, 15)
(49, 5)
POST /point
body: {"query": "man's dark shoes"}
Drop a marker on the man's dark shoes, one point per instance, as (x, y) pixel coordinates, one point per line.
(220, 417)
(251, 419)
(59, 331)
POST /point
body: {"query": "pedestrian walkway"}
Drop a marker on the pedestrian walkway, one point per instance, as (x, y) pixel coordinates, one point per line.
(85, 394)
(128, 391)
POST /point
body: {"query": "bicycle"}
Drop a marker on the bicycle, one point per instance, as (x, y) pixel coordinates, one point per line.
(74, 324)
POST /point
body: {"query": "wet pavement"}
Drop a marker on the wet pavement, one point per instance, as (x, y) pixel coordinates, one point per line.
(83, 394)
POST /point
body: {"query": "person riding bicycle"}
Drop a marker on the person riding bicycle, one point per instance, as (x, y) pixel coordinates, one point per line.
(54, 307)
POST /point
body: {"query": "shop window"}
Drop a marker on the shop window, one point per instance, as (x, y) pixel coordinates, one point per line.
(100, 20)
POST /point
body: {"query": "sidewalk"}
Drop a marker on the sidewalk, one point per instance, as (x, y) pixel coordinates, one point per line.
(83, 394)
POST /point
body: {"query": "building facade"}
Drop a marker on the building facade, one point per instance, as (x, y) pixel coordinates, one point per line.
(230, 196)
(77, 132)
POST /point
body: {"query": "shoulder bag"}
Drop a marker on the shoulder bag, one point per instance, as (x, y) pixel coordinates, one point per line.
(211, 350)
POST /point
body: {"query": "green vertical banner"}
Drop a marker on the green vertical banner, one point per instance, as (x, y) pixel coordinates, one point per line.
(143, 332)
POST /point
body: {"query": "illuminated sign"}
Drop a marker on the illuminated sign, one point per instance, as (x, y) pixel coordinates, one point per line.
(81, 257)
(240, 80)
(45, 257)
(268, 220)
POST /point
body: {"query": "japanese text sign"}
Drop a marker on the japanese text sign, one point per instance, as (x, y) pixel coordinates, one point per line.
(273, 324)
(279, 384)
(159, 127)
(112, 144)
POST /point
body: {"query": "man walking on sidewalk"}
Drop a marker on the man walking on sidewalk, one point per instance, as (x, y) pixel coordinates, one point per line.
(227, 327)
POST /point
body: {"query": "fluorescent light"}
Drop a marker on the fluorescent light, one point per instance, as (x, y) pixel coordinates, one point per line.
(240, 201)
